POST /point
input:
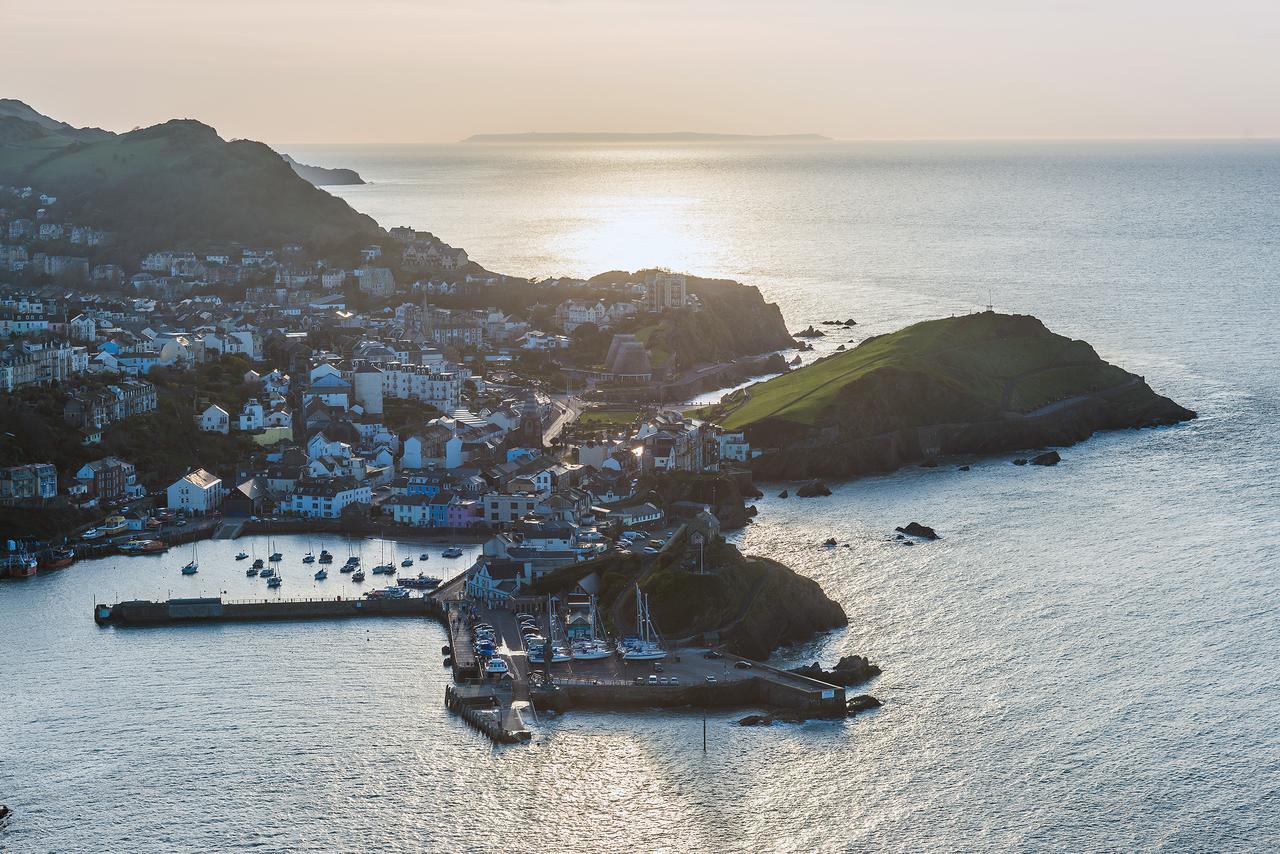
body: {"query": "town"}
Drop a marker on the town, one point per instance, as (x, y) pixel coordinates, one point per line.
(246, 384)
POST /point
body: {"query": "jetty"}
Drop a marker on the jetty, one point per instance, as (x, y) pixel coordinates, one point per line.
(140, 612)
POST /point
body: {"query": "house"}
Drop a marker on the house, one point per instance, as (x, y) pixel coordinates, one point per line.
(505, 508)
(214, 420)
(327, 498)
(197, 492)
(494, 580)
(33, 483)
(252, 416)
(635, 514)
(244, 500)
(106, 478)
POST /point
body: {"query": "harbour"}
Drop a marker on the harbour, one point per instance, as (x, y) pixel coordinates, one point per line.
(504, 671)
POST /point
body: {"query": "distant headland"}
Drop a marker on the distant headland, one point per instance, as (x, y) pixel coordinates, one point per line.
(682, 136)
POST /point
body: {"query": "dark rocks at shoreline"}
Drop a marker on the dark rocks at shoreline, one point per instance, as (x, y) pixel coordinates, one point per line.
(851, 322)
(756, 720)
(862, 703)
(842, 347)
(849, 670)
(908, 543)
(1048, 458)
(915, 529)
(813, 489)
(963, 468)
(784, 494)
(830, 542)
(930, 463)
(1020, 461)
(811, 332)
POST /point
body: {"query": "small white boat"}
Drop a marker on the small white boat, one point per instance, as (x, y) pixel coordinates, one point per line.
(495, 666)
(242, 555)
(452, 551)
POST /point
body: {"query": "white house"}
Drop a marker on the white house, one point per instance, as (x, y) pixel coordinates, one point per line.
(327, 499)
(198, 492)
(252, 416)
(215, 420)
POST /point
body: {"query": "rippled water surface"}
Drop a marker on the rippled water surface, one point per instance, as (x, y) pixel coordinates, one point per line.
(1086, 660)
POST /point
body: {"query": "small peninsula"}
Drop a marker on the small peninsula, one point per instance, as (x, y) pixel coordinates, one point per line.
(983, 383)
(322, 176)
(681, 136)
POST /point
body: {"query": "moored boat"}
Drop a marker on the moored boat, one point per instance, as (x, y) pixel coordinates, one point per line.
(321, 574)
(274, 581)
(452, 551)
(358, 575)
(57, 559)
(242, 555)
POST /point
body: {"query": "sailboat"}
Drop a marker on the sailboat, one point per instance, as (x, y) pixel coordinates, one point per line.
(193, 567)
(644, 645)
(242, 555)
(308, 557)
(275, 556)
(595, 647)
(321, 574)
(325, 556)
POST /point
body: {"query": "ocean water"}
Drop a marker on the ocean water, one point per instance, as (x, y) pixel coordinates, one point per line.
(1086, 661)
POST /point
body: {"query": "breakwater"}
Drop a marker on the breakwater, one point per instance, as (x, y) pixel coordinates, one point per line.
(214, 609)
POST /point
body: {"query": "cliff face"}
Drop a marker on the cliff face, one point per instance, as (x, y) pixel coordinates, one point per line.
(981, 384)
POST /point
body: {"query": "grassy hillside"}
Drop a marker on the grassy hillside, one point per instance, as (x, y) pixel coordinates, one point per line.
(995, 362)
(180, 185)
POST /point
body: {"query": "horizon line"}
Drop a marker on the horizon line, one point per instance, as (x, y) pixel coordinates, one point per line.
(747, 138)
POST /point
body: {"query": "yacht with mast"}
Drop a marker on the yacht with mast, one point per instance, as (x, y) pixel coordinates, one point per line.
(644, 645)
(194, 566)
(591, 648)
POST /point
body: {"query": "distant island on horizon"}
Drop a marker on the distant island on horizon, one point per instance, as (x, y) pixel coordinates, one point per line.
(679, 136)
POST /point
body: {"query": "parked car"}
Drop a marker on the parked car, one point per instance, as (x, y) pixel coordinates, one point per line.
(742, 665)
(639, 680)
(674, 680)
(657, 667)
(653, 680)
(711, 679)
(650, 550)
(711, 653)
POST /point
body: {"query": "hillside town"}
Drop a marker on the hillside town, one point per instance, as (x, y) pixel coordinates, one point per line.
(406, 390)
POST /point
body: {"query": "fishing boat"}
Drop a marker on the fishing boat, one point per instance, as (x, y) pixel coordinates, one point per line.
(143, 547)
(57, 559)
(321, 574)
(644, 645)
(242, 555)
(193, 566)
(358, 575)
(22, 566)
(325, 556)
(452, 551)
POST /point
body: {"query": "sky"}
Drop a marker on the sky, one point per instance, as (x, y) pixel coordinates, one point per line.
(427, 71)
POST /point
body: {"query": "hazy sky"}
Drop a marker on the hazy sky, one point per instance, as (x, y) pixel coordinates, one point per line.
(417, 70)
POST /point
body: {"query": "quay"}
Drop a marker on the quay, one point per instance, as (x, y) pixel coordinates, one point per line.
(216, 610)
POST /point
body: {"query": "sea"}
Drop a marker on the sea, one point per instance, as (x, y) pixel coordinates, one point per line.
(1087, 660)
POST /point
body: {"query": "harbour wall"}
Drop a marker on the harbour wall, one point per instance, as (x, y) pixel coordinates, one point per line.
(215, 610)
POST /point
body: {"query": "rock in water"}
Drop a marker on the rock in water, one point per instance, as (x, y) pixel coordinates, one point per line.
(811, 332)
(862, 703)
(1020, 462)
(964, 468)
(1048, 458)
(830, 542)
(813, 489)
(756, 720)
(784, 494)
(851, 322)
(849, 670)
(915, 529)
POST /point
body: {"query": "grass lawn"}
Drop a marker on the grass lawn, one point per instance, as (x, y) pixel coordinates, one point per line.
(977, 354)
(608, 418)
